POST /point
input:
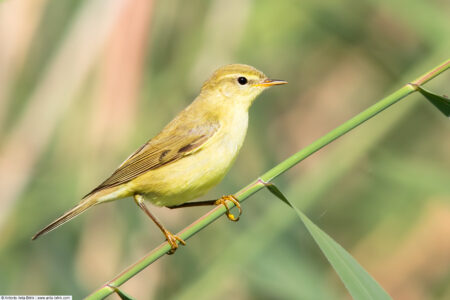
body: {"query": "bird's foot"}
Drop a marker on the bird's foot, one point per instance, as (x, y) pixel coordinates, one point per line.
(172, 239)
(223, 201)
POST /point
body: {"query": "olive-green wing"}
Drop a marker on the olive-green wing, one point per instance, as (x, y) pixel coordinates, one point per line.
(165, 148)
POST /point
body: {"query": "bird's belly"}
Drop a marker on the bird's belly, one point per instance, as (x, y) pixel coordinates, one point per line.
(189, 177)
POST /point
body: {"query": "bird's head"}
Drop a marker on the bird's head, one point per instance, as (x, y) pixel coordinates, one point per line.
(237, 83)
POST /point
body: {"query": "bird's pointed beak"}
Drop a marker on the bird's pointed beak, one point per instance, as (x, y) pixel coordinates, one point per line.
(270, 82)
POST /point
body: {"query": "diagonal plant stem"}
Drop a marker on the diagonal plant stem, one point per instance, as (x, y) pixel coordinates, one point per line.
(259, 183)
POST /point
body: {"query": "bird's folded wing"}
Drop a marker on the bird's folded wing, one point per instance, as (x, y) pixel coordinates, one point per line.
(165, 148)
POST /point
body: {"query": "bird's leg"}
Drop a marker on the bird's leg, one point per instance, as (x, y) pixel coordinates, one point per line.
(171, 238)
(221, 201)
(194, 203)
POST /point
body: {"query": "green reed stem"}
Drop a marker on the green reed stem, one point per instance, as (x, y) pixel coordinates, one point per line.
(258, 184)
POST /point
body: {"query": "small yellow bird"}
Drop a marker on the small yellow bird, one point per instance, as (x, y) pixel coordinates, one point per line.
(190, 155)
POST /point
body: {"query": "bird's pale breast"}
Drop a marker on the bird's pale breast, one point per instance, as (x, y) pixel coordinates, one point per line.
(193, 175)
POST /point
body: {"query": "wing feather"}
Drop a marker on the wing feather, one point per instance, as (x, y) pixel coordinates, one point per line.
(165, 148)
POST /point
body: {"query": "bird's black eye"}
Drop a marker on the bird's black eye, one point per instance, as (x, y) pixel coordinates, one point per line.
(242, 80)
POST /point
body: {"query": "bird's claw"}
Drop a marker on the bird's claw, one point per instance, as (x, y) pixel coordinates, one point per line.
(223, 201)
(172, 240)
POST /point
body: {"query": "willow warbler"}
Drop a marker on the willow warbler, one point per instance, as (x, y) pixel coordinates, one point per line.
(190, 155)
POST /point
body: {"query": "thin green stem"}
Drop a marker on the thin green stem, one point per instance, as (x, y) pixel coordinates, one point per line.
(258, 184)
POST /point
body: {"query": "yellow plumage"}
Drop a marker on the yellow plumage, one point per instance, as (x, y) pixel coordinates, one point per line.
(191, 154)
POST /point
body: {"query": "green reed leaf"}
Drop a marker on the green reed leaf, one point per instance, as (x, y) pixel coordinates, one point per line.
(359, 283)
(440, 102)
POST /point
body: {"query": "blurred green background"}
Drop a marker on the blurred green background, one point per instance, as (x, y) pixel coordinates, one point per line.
(85, 83)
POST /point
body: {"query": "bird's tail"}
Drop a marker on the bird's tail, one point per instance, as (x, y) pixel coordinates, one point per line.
(81, 207)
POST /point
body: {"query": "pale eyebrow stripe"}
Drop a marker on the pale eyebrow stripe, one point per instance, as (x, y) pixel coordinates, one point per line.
(233, 75)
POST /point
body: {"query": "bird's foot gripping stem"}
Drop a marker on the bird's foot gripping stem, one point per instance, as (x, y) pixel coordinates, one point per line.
(170, 237)
(172, 240)
(223, 201)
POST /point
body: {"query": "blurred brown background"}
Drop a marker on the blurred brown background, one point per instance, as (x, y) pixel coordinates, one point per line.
(85, 83)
